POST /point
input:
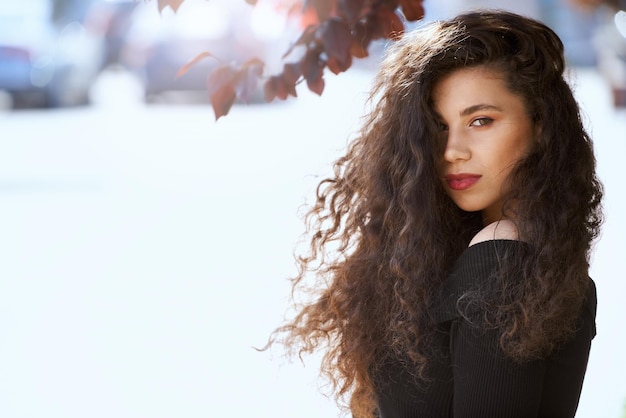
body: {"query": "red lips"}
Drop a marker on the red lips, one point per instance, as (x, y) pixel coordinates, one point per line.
(462, 181)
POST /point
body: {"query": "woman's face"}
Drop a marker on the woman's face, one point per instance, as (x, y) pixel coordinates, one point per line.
(487, 130)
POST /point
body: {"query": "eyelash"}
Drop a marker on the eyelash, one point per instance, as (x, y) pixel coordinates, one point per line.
(484, 121)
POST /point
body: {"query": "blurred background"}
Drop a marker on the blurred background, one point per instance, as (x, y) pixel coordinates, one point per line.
(145, 248)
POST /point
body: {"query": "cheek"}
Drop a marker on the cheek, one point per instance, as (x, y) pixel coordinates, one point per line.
(511, 155)
(520, 145)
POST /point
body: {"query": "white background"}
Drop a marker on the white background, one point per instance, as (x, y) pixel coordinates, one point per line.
(145, 250)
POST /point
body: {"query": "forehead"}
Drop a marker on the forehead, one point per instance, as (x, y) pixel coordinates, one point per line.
(470, 86)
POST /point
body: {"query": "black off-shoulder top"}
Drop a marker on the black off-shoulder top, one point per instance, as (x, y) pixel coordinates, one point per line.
(468, 374)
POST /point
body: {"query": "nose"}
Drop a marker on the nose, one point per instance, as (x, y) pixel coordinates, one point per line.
(457, 147)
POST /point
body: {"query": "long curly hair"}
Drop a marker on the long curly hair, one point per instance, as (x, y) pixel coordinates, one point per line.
(383, 234)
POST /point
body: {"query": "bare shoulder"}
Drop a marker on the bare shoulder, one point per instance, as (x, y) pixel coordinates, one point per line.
(503, 229)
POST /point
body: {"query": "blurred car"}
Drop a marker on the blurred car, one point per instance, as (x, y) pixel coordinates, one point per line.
(158, 45)
(42, 63)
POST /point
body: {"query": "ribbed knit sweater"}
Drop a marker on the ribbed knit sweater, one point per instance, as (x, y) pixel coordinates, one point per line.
(470, 376)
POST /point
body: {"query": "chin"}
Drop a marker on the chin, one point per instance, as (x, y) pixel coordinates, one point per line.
(467, 207)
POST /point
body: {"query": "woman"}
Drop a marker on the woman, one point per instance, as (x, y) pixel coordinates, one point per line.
(451, 246)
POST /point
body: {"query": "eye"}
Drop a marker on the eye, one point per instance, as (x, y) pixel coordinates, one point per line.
(442, 127)
(481, 122)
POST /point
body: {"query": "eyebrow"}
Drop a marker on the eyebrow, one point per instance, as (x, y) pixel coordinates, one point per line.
(475, 108)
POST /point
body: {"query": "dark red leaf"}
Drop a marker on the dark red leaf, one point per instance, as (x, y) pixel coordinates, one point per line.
(391, 4)
(174, 4)
(306, 16)
(292, 72)
(337, 42)
(221, 87)
(289, 85)
(317, 86)
(283, 84)
(313, 71)
(361, 40)
(270, 88)
(275, 87)
(373, 28)
(221, 75)
(222, 100)
(412, 9)
(353, 10)
(385, 23)
(396, 27)
(323, 8)
(291, 88)
(199, 57)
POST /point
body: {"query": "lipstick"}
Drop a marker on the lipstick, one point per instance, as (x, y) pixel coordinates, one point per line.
(461, 181)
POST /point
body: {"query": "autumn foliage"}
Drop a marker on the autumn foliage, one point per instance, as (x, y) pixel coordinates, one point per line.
(334, 33)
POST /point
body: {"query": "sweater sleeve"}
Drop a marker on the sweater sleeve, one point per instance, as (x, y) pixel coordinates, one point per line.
(487, 383)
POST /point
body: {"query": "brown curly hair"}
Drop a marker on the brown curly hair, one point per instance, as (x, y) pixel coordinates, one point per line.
(384, 234)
